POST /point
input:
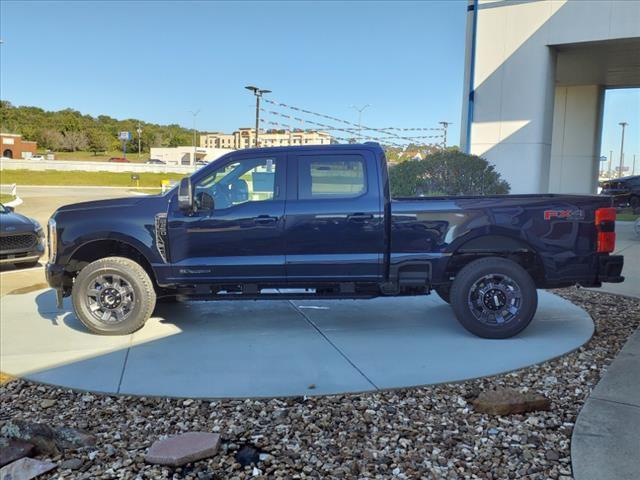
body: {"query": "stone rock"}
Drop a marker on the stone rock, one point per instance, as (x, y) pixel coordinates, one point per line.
(25, 469)
(552, 456)
(47, 403)
(508, 401)
(71, 464)
(247, 455)
(47, 439)
(12, 450)
(182, 449)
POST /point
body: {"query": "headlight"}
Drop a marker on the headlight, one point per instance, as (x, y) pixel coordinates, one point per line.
(53, 240)
(38, 230)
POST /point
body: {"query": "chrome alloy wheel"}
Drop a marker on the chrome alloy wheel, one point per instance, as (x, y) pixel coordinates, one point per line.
(495, 299)
(110, 298)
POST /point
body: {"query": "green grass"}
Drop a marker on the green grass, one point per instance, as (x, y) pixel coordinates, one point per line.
(627, 217)
(100, 157)
(73, 177)
(5, 198)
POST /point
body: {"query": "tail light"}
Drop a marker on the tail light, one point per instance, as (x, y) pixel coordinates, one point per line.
(606, 226)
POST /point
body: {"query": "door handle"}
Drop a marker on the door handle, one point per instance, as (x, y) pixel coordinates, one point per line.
(359, 217)
(265, 219)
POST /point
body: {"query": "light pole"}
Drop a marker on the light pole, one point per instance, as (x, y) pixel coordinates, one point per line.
(360, 110)
(610, 160)
(258, 92)
(445, 125)
(623, 125)
(139, 130)
(195, 114)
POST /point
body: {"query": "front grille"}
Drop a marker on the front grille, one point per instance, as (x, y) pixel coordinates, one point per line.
(20, 241)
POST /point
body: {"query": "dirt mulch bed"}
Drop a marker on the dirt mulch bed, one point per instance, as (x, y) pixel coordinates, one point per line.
(426, 432)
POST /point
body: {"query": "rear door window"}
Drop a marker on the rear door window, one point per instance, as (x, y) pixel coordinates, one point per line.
(331, 177)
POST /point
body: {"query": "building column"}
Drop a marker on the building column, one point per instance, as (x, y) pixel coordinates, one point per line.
(575, 142)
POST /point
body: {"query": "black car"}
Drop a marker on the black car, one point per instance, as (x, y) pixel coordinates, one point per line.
(21, 239)
(155, 161)
(625, 191)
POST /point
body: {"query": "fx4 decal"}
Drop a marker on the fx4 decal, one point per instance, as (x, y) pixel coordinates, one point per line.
(564, 214)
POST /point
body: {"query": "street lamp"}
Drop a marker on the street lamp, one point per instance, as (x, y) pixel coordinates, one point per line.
(445, 126)
(139, 130)
(195, 114)
(623, 125)
(258, 92)
(360, 110)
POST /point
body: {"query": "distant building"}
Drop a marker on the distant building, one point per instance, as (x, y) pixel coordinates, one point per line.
(187, 155)
(13, 146)
(245, 138)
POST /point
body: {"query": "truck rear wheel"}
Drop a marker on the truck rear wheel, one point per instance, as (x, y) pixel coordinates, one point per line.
(494, 298)
(113, 296)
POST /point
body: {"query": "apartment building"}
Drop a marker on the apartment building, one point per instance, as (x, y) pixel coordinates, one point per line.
(245, 138)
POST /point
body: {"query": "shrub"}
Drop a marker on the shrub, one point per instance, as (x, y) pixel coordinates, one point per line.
(446, 173)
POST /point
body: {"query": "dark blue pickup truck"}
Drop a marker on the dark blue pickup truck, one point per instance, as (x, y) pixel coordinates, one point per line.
(319, 222)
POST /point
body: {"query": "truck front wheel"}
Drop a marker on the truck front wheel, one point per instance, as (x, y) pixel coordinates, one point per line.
(494, 298)
(113, 296)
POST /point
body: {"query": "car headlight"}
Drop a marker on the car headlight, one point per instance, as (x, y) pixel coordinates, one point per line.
(52, 232)
(38, 229)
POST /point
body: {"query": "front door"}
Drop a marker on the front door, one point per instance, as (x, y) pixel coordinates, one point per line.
(236, 229)
(335, 227)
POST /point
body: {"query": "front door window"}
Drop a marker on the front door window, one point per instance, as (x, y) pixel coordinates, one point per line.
(249, 180)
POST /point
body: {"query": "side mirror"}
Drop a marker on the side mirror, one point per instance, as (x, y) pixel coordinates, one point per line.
(185, 195)
(9, 209)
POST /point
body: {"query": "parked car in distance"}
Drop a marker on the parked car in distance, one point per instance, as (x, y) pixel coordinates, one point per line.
(201, 163)
(36, 157)
(21, 238)
(155, 161)
(625, 191)
(319, 222)
(119, 160)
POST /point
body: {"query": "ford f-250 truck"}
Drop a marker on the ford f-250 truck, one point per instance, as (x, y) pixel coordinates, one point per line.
(319, 222)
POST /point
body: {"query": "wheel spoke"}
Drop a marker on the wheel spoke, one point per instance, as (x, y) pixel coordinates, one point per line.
(106, 316)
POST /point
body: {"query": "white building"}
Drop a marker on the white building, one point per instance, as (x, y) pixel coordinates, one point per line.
(535, 77)
(187, 155)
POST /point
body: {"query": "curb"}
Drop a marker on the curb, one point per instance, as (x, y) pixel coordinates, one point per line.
(14, 203)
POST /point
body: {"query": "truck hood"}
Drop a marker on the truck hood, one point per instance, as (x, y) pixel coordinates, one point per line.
(15, 223)
(99, 204)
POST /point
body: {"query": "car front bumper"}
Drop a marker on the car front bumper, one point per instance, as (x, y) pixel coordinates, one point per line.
(54, 275)
(18, 256)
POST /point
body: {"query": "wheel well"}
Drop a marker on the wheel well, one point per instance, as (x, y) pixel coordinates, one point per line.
(98, 249)
(509, 248)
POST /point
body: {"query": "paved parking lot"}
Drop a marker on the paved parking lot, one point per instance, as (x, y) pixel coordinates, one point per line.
(275, 348)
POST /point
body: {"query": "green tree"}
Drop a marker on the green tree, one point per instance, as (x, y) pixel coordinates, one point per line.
(449, 172)
(99, 141)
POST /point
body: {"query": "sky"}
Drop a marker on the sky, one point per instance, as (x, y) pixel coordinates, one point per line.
(157, 60)
(160, 60)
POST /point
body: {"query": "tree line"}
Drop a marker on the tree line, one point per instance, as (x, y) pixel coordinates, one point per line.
(69, 130)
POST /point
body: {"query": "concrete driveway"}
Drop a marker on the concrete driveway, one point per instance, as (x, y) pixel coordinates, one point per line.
(274, 348)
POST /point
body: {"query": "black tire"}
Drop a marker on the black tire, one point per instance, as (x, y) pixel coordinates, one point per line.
(494, 298)
(116, 289)
(444, 292)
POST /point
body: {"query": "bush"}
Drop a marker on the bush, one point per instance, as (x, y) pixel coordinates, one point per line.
(446, 173)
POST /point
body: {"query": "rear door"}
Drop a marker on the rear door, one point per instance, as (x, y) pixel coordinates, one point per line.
(334, 227)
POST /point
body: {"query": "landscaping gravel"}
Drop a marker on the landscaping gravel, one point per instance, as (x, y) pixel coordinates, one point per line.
(425, 432)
